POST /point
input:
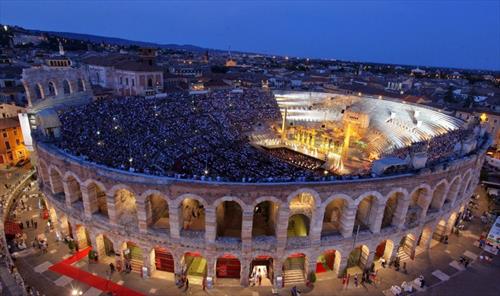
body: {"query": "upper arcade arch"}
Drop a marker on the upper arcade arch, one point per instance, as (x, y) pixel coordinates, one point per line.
(229, 217)
(125, 207)
(334, 214)
(265, 217)
(157, 210)
(367, 211)
(418, 203)
(438, 196)
(397, 201)
(453, 190)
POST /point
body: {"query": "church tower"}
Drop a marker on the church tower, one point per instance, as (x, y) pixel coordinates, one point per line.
(61, 48)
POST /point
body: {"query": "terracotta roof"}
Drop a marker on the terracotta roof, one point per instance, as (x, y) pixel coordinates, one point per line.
(9, 122)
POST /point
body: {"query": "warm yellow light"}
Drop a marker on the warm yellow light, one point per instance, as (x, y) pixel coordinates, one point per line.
(483, 117)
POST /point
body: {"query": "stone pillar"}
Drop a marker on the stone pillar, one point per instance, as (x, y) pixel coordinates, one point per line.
(343, 266)
(278, 270)
(96, 246)
(142, 216)
(347, 220)
(147, 262)
(211, 260)
(210, 225)
(246, 230)
(281, 233)
(369, 260)
(400, 214)
(87, 204)
(376, 219)
(173, 220)
(316, 226)
(67, 194)
(394, 254)
(112, 212)
(244, 272)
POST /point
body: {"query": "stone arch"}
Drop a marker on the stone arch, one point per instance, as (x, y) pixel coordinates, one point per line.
(407, 246)
(82, 236)
(465, 181)
(383, 250)
(73, 186)
(56, 181)
(133, 253)
(329, 261)
(43, 172)
(228, 265)
(195, 265)
(125, 204)
(358, 260)
(229, 216)
(81, 85)
(438, 196)
(191, 209)
(97, 198)
(67, 89)
(295, 265)
(298, 226)
(304, 201)
(265, 216)
(453, 190)
(334, 213)
(105, 246)
(395, 205)
(162, 259)
(38, 91)
(52, 88)
(367, 210)
(418, 202)
(157, 210)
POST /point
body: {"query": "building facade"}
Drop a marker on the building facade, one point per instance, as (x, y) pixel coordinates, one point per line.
(12, 149)
(166, 224)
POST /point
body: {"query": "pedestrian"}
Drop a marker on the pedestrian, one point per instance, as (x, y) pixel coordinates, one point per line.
(204, 283)
(356, 280)
(36, 224)
(466, 263)
(187, 284)
(259, 277)
(404, 267)
(32, 222)
(21, 225)
(27, 223)
(111, 268)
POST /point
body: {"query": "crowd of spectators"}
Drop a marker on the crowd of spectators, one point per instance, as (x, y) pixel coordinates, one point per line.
(182, 134)
(437, 149)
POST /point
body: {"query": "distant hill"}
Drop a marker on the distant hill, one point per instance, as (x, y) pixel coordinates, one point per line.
(120, 41)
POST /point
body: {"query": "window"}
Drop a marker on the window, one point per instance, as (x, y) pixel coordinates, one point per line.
(7, 145)
(133, 82)
(52, 89)
(38, 92)
(81, 85)
(17, 142)
(67, 87)
(121, 80)
(5, 134)
(126, 81)
(15, 132)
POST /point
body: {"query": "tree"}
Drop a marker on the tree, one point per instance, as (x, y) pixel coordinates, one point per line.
(449, 97)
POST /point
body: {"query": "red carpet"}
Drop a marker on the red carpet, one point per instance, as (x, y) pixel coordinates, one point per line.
(64, 267)
(320, 268)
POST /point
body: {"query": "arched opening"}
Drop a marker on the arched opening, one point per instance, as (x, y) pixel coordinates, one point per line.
(452, 221)
(105, 249)
(440, 231)
(438, 197)
(43, 173)
(391, 208)
(56, 184)
(52, 89)
(332, 219)
(329, 261)
(157, 216)
(228, 267)
(298, 226)
(132, 254)
(418, 203)
(82, 237)
(383, 251)
(358, 258)
(229, 219)
(294, 269)
(126, 208)
(38, 92)
(66, 87)
(302, 203)
(425, 237)
(265, 219)
(150, 82)
(262, 265)
(453, 191)
(194, 266)
(465, 184)
(163, 260)
(75, 193)
(366, 214)
(406, 247)
(192, 214)
(81, 84)
(98, 201)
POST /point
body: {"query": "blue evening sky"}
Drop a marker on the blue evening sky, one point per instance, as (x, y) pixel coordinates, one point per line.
(437, 33)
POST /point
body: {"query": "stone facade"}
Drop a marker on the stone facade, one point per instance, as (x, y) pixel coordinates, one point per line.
(398, 210)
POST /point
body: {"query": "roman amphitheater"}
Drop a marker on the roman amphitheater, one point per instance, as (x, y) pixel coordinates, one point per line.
(303, 183)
